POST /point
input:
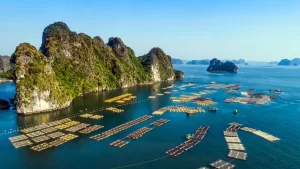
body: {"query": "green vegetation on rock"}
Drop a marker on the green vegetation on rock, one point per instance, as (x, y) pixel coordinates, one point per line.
(69, 64)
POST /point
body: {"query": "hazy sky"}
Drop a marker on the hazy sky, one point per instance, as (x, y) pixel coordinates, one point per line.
(261, 30)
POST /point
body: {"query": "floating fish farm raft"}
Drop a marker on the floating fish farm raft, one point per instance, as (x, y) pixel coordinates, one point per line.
(259, 99)
(195, 139)
(91, 129)
(234, 144)
(262, 134)
(117, 98)
(138, 133)
(220, 164)
(91, 116)
(119, 143)
(120, 128)
(160, 111)
(56, 134)
(47, 132)
(203, 101)
(113, 109)
(152, 97)
(159, 94)
(159, 122)
(77, 127)
(185, 109)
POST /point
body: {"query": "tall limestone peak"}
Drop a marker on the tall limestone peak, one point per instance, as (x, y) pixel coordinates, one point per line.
(37, 87)
(158, 65)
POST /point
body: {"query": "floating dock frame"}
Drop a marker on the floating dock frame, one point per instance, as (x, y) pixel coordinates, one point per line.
(220, 164)
(237, 155)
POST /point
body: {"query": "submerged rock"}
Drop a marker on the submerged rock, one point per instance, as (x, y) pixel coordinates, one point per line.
(4, 104)
(218, 66)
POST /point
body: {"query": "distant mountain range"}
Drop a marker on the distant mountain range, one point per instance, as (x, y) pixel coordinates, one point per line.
(287, 62)
(204, 61)
(177, 61)
(198, 62)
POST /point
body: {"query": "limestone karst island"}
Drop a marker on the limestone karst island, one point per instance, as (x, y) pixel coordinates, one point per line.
(69, 64)
(129, 84)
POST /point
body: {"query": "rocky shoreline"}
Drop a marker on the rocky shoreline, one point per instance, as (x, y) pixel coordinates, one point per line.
(5, 80)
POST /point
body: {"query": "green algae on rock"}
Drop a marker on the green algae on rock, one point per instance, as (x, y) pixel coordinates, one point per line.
(69, 64)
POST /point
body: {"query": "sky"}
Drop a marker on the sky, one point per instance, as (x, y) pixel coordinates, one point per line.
(255, 30)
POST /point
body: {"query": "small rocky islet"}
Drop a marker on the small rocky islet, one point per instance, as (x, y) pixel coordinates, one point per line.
(217, 66)
(69, 64)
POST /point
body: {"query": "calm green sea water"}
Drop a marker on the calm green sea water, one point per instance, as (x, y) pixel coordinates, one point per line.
(280, 118)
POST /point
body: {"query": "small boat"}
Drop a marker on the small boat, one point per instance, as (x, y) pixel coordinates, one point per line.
(235, 111)
(276, 91)
(212, 109)
(154, 89)
(188, 136)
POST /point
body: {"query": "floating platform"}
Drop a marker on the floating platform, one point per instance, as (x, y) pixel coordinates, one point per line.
(262, 134)
(232, 139)
(138, 133)
(48, 130)
(236, 146)
(86, 115)
(120, 128)
(22, 143)
(220, 164)
(67, 125)
(160, 111)
(159, 122)
(151, 97)
(91, 129)
(202, 130)
(18, 138)
(77, 127)
(96, 117)
(113, 109)
(117, 98)
(57, 142)
(119, 143)
(45, 125)
(167, 92)
(41, 147)
(230, 134)
(35, 134)
(56, 134)
(159, 94)
(40, 139)
(237, 155)
(69, 137)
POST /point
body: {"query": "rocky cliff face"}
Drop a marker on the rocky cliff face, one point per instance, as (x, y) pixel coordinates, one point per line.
(158, 65)
(179, 75)
(69, 64)
(218, 66)
(4, 64)
(37, 87)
